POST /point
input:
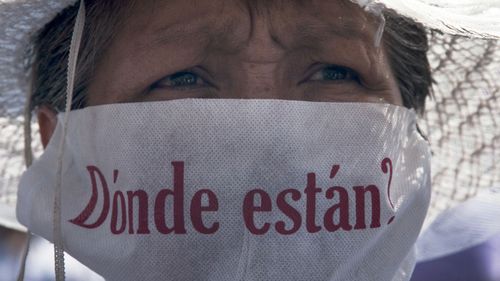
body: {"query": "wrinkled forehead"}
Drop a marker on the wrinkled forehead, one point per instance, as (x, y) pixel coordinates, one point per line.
(230, 23)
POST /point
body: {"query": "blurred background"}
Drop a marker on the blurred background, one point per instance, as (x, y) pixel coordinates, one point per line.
(40, 262)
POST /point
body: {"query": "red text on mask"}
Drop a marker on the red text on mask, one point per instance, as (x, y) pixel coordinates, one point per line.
(130, 209)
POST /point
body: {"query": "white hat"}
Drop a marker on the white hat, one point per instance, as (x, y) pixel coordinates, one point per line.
(462, 121)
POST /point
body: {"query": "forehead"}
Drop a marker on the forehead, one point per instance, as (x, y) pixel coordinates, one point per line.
(230, 23)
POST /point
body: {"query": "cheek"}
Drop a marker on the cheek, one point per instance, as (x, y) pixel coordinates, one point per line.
(393, 94)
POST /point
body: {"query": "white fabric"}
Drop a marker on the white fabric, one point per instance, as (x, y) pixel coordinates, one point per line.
(480, 18)
(467, 225)
(8, 218)
(232, 147)
(19, 21)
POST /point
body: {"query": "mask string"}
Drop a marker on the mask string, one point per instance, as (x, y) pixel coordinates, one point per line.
(380, 31)
(28, 160)
(22, 269)
(72, 61)
(377, 10)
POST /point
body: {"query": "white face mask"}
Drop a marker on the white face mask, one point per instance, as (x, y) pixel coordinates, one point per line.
(222, 189)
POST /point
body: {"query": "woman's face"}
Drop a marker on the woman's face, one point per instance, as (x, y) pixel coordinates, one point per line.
(296, 50)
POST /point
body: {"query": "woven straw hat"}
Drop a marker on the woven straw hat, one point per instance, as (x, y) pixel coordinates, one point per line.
(462, 121)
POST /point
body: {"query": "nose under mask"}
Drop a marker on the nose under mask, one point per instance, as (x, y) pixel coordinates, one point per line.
(223, 189)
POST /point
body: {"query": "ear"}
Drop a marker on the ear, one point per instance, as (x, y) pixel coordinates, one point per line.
(47, 121)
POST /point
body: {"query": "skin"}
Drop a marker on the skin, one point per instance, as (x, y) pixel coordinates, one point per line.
(318, 51)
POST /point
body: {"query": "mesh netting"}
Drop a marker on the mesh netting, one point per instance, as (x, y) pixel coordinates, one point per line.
(462, 120)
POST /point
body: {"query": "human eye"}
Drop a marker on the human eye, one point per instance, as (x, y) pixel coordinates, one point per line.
(334, 73)
(183, 80)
